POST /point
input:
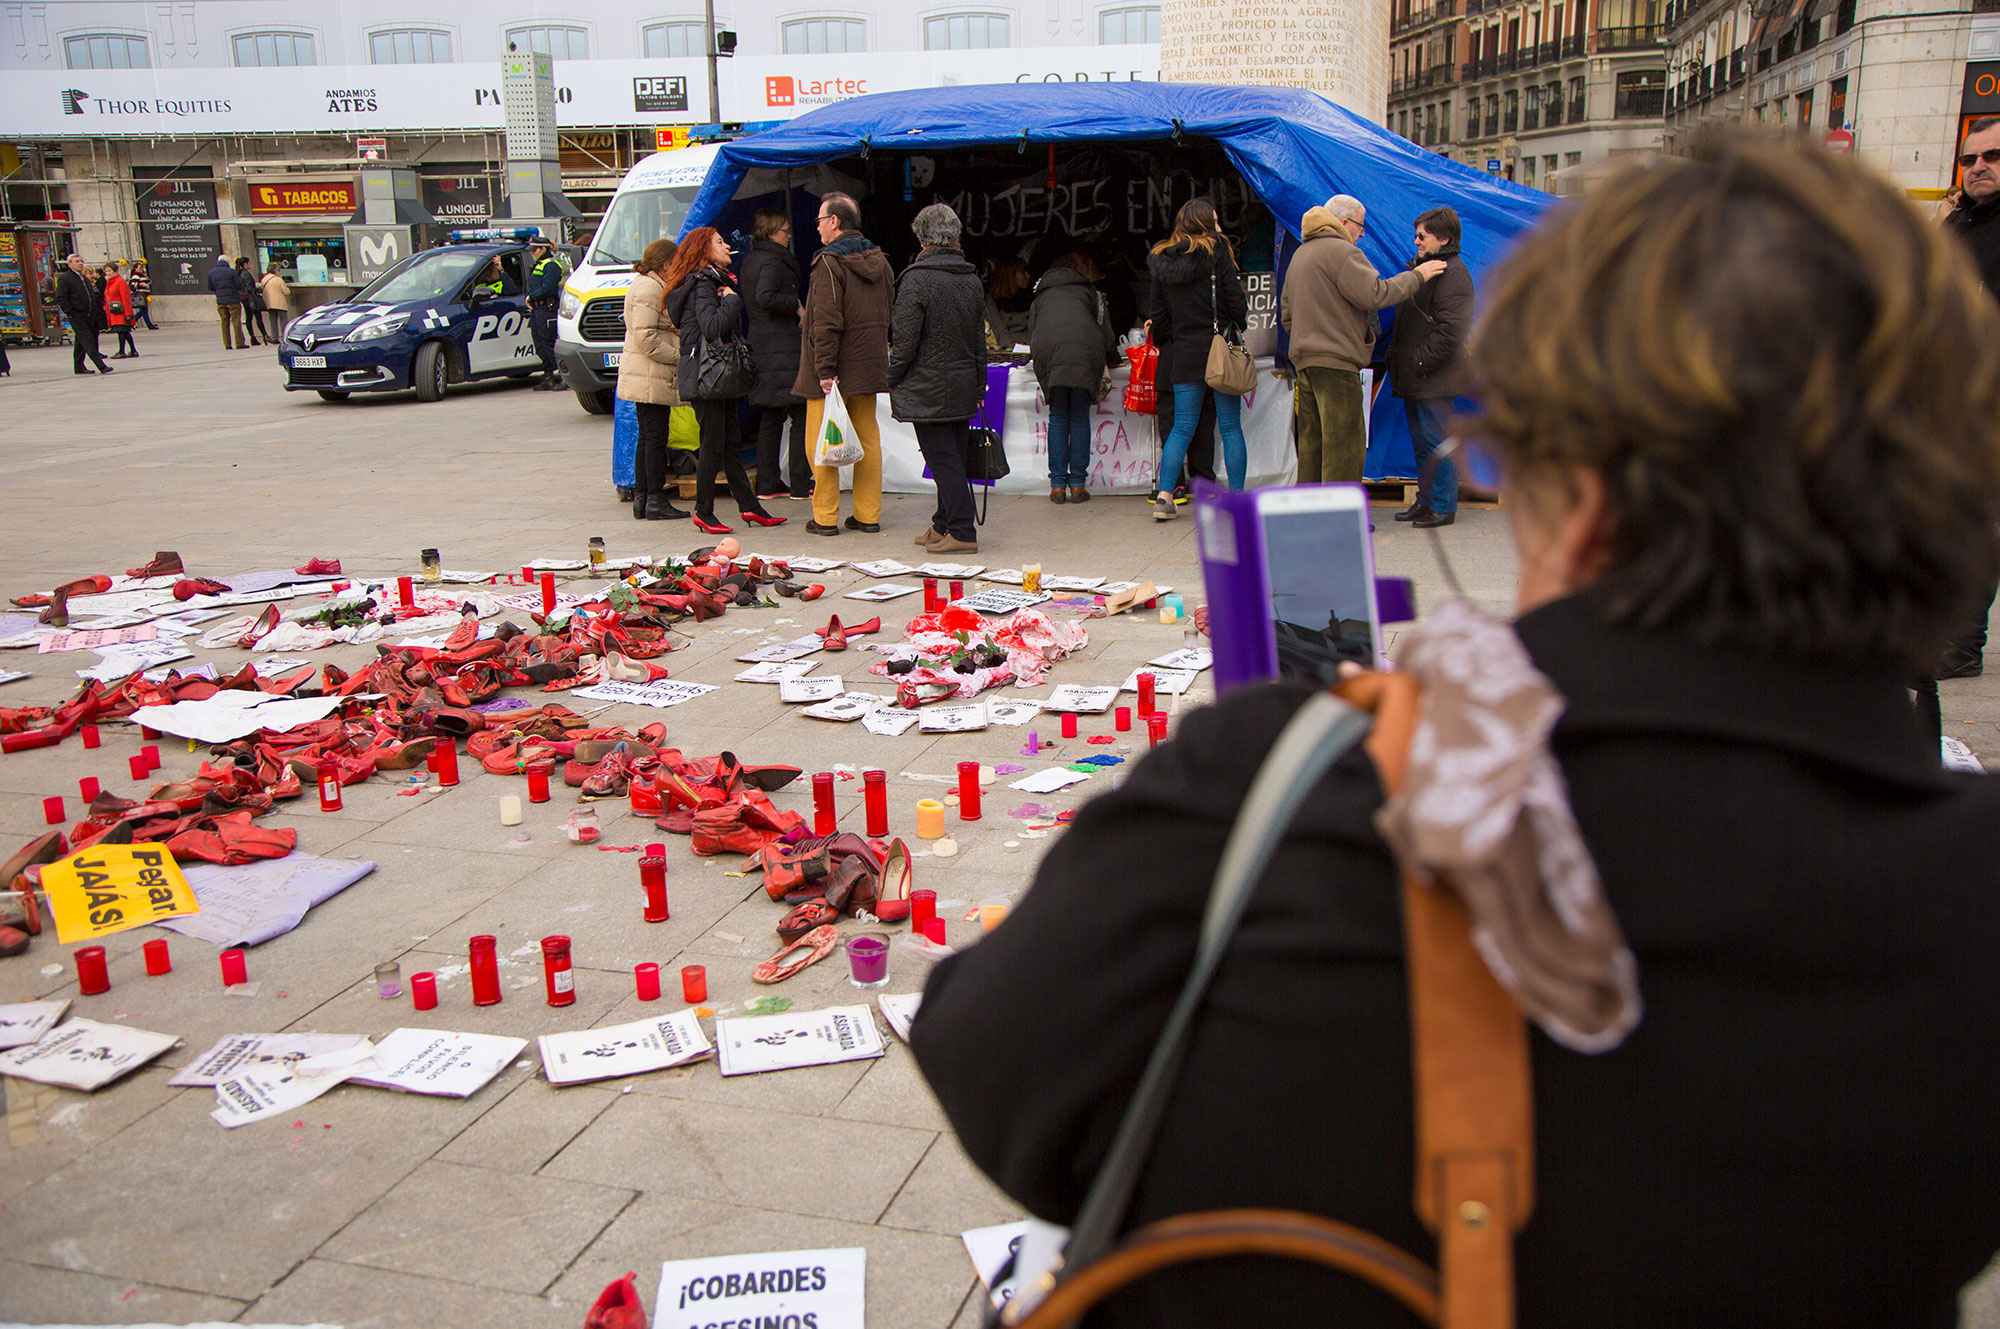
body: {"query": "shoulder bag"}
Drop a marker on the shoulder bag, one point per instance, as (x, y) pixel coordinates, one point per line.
(1230, 368)
(985, 458)
(1474, 1129)
(716, 368)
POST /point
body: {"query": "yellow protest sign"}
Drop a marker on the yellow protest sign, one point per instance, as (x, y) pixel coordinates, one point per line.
(108, 888)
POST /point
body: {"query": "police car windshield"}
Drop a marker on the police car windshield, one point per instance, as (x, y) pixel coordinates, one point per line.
(436, 275)
(636, 219)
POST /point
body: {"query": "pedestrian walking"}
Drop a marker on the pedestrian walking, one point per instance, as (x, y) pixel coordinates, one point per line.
(1329, 307)
(544, 294)
(1196, 294)
(228, 303)
(1424, 353)
(771, 290)
(649, 378)
(141, 283)
(844, 347)
(704, 303)
(83, 308)
(277, 293)
(1071, 346)
(118, 311)
(253, 303)
(937, 370)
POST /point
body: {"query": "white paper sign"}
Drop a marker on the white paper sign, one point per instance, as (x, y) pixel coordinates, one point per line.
(259, 1092)
(12, 675)
(24, 1022)
(887, 590)
(248, 903)
(1089, 701)
(953, 719)
(749, 1044)
(992, 600)
(777, 671)
(666, 692)
(121, 661)
(531, 601)
(1196, 658)
(622, 1049)
(1049, 781)
(840, 710)
(992, 1249)
(1167, 682)
(899, 1008)
(85, 1055)
(779, 652)
(1013, 713)
(884, 567)
(824, 688)
(804, 564)
(1072, 583)
(793, 1289)
(951, 571)
(233, 713)
(1011, 576)
(436, 1061)
(889, 723)
(234, 1054)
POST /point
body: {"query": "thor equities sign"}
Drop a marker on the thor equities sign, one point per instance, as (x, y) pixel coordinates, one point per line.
(314, 196)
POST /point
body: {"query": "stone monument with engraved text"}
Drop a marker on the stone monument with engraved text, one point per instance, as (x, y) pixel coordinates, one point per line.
(1336, 47)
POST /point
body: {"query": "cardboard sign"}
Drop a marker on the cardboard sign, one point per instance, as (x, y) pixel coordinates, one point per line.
(112, 887)
(824, 1289)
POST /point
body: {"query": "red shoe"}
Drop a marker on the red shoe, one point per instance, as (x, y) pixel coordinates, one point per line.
(764, 519)
(266, 624)
(189, 587)
(618, 1307)
(166, 563)
(892, 892)
(812, 592)
(319, 567)
(833, 635)
(709, 525)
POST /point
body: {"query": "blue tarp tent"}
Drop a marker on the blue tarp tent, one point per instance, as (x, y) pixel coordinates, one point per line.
(1294, 149)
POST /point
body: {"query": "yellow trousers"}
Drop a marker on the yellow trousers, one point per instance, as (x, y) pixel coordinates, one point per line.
(867, 471)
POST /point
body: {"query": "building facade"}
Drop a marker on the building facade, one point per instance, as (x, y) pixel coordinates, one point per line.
(1892, 80)
(1543, 92)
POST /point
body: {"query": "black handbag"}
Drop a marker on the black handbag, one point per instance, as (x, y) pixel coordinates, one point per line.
(716, 370)
(985, 460)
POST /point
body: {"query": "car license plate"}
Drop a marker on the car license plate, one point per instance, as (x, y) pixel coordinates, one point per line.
(611, 359)
(308, 362)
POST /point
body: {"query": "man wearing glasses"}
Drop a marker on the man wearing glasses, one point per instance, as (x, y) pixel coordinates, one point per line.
(844, 347)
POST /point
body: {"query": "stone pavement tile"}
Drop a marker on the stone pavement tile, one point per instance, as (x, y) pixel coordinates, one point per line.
(893, 1092)
(948, 1194)
(382, 1299)
(529, 1126)
(972, 1314)
(477, 1225)
(69, 1124)
(467, 817)
(323, 834)
(755, 1157)
(812, 1091)
(228, 1213)
(36, 1294)
(916, 1280)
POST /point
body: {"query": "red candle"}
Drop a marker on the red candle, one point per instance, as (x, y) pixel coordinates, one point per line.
(1145, 695)
(548, 594)
(234, 971)
(92, 976)
(1121, 719)
(656, 851)
(825, 820)
(931, 602)
(424, 991)
(329, 787)
(485, 971)
(527, 576)
(151, 752)
(88, 787)
(90, 738)
(1156, 728)
(968, 791)
(538, 781)
(646, 981)
(934, 929)
(148, 734)
(694, 983)
(447, 750)
(137, 765)
(923, 908)
(1069, 724)
(52, 811)
(557, 976)
(875, 795)
(403, 593)
(958, 590)
(158, 961)
(653, 876)
(431, 759)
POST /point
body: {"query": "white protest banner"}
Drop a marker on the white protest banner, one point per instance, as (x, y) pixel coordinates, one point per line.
(666, 692)
(821, 1289)
(779, 652)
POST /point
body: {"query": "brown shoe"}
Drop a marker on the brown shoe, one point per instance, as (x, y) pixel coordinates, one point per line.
(930, 537)
(166, 563)
(1058, 495)
(945, 544)
(1079, 495)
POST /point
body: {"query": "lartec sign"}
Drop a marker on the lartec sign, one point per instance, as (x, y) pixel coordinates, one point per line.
(314, 196)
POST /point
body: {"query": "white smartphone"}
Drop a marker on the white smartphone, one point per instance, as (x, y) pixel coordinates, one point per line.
(1319, 574)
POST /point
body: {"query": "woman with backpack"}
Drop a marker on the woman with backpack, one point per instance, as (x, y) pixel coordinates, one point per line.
(1196, 294)
(704, 303)
(1071, 345)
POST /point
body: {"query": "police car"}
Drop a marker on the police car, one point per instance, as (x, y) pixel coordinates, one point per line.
(454, 314)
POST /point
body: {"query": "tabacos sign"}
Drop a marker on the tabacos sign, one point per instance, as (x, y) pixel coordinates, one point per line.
(789, 90)
(302, 196)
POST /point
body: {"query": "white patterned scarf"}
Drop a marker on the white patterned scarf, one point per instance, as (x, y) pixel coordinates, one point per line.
(1484, 806)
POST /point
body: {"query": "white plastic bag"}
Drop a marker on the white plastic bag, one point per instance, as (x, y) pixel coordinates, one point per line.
(835, 443)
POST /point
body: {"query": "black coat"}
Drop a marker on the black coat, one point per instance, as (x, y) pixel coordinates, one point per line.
(1804, 1130)
(1431, 327)
(77, 297)
(246, 285)
(771, 292)
(705, 306)
(222, 283)
(1069, 334)
(937, 340)
(1195, 294)
(1979, 225)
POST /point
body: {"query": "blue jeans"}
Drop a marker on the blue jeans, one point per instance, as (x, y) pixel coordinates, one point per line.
(1069, 437)
(1187, 413)
(1437, 480)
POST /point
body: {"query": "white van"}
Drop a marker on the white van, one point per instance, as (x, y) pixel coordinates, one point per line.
(651, 203)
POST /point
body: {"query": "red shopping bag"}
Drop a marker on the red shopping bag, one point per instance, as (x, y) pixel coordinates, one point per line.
(1141, 397)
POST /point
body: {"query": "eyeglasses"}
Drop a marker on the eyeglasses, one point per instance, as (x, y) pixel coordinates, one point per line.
(823, 217)
(1991, 157)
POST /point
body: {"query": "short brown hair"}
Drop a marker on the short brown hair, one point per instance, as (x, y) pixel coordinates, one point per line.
(657, 257)
(1790, 384)
(843, 209)
(1442, 223)
(767, 223)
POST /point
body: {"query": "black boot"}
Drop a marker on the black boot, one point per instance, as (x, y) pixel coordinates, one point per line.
(661, 508)
(638, 504)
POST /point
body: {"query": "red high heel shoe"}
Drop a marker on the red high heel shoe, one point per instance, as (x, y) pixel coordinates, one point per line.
(709, 525)
(764, 519)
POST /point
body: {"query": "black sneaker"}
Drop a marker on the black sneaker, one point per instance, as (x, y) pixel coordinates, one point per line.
(870, 527)
(815, 528)
(1960, 663)
(1180, 496)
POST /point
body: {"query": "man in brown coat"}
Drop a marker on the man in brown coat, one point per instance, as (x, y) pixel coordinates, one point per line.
(1332, 293)
(844, 344)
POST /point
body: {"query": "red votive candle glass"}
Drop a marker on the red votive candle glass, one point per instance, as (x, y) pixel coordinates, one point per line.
(404, 597)
(958, 590)
(557, 975)
(329, 787)
(653, 876)
(52, 810)
(694, 983)
(158, 961)
(447, 772)
(1156, 728)
(88, 787)
(92, 975)
(646, 981)
(151, 752)
(1145, 695)
(934, 929)
(137, 765)
(538, 781)
(548, 594)
(1069, 724)
(931, 602)
(148, 734)
(234, 970)
(875, 795)
(968, 791)
(431, 758)
(424, 991)
(825, 820)
(923, 908)
(1121, 719)
(485, 970)
(90, 738)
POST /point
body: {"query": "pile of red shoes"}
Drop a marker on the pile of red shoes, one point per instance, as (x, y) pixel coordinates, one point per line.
(833, 875)
(721, 804)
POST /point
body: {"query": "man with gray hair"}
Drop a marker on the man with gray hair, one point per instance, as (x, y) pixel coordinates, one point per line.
(844, 348)
(1332, 293)
(937, 370)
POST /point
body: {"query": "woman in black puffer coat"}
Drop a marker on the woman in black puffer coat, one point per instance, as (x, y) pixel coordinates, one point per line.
(771, 290)
(937, 369)
(1196, 293)
(703, 302)
(1071, 342)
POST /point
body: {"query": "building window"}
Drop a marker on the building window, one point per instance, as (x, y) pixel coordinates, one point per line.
(819, 36)
(106, 51)
(561, 42)
(1129, 27)
(674, 41)
(1640, 94)
(409, 46)
(273, 48)
(965, 32)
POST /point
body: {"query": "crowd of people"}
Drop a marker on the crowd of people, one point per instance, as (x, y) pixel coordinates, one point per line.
(246, 302)
(112, 297)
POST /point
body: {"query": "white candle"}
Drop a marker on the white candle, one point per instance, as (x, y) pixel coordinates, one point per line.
(510, 809)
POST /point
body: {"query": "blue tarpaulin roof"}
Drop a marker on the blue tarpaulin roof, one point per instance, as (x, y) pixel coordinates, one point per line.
(1295, 149)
